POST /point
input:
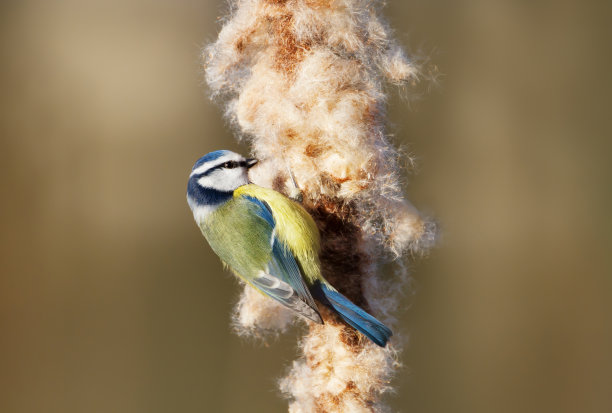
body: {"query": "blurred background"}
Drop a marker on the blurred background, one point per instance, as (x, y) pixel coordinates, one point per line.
(110, 301)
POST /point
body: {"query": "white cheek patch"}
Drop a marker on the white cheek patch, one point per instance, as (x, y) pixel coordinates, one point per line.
(206, 181)
(225, 179)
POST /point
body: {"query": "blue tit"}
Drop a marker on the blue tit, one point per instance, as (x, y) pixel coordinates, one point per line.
(268, 240)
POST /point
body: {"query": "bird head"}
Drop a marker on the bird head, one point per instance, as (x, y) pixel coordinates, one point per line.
(215, 176)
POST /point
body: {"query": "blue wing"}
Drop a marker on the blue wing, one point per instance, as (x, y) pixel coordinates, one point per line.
(282, 279)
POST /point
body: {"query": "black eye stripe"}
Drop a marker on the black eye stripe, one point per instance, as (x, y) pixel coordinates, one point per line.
(234, 164)
(228, 165)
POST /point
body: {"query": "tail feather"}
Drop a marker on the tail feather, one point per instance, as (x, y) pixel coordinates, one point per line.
(353, 315)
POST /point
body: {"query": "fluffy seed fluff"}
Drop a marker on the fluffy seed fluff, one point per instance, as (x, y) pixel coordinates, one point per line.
(303, 81)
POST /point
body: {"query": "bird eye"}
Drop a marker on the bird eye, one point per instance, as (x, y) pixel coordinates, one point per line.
(230, 165)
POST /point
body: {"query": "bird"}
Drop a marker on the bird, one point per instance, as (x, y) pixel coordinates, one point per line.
(268, 240)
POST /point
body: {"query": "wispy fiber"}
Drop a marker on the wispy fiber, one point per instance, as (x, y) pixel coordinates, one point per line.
(303, 81)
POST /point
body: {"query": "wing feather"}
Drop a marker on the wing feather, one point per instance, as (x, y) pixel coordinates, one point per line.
(247, 226)
(286, 295)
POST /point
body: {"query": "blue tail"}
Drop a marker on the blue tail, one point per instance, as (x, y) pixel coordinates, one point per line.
(351, 314)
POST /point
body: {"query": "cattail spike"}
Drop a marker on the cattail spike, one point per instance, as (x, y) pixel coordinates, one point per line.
(303, 82)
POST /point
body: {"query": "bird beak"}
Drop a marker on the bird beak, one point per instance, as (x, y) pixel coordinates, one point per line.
(251, 162)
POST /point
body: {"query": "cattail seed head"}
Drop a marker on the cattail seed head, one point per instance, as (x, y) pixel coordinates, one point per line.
(303, 80)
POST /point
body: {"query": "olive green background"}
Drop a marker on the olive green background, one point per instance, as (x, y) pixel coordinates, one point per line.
(110, 301)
